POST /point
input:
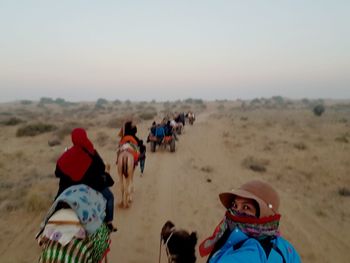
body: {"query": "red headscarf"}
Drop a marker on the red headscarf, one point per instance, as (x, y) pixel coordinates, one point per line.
(75, 161)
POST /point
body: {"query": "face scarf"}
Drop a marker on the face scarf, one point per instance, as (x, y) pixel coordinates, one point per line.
(76, 160)
(258, 228)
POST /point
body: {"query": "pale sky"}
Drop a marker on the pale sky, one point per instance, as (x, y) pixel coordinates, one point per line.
(168, 50)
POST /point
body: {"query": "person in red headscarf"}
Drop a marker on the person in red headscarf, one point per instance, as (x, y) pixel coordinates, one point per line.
(82, 164)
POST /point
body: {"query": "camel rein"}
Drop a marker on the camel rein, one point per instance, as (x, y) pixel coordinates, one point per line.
(170, 257)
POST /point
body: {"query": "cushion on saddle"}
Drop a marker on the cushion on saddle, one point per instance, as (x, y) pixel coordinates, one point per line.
(131, 148)
(90, 249)
(128, 139)
(88, 204)
(168, 138)
(63, 226)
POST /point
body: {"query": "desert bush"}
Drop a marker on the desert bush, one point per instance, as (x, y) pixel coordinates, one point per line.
(46, 100)
(35, 129)
(202, 106)
(100, 103)
(189, 100)
(342, 138)
(318, 109)
(278, 99)
(300, 146)
(140, 106)
(166, 104)
(255, 101)
(35, 202)
(254, 164)
(62, 102)
(207, 169)
(221, 107)
(117, 102)
(26, 102)
(65, 130)
(10, 205)
(12, 121)
(102, 139)
(343, 191)
(147, 115)
(54, 141)
(198, 101)
(115, 122)
(6, 185)
(225, 134)
(305, 101)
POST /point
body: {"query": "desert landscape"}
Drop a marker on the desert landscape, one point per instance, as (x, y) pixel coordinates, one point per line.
(303, 153)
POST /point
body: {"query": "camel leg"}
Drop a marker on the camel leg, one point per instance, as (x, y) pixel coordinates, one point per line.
(126, 192)
(120, 190)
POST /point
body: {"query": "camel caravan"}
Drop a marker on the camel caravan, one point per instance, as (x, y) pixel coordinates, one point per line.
(78, 225)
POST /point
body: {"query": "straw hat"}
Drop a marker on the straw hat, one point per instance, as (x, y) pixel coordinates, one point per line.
(263, 193)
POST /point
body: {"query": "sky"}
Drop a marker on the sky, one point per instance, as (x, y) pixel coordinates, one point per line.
(169, 50)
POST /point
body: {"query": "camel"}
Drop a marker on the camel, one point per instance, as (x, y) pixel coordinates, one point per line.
(73, 230)
(125, 168)
(179, 244)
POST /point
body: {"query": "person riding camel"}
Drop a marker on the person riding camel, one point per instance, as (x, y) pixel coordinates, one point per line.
(129, 141)
(82, 164)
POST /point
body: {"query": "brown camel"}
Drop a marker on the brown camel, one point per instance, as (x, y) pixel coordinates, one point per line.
(125, 167)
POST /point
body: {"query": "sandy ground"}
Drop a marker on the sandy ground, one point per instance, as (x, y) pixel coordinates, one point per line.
(302, 154)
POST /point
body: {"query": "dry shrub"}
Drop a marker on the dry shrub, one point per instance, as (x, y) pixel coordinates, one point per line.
(319, 110)
(6, 186)
(116, 122)
(320, 212)
(102, 139)
(65, 130)
(54, 141)
(343, 191)
(207, 169)
(225, 134)
(147, 115)
(254, 164)
(10, 205)
(220, 107)
(36, 202)
(300, 146)
(12, 121)
(342, 138)
(35, 129)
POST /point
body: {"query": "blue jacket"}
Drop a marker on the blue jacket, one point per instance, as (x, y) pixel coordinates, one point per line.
(252, 252)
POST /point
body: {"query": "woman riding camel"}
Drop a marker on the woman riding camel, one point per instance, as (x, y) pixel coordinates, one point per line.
(128, 136)
(82, 164)
(249, 230)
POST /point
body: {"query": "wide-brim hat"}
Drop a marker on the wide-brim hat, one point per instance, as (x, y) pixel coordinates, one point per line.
(263, 193)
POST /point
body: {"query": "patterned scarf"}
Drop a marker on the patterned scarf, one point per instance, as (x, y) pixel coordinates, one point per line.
(258, 228)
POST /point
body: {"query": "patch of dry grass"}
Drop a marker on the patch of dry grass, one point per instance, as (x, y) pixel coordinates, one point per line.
(255, 164)
(300, 146)
(207, 169)
(35, 129)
